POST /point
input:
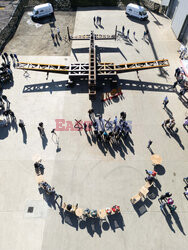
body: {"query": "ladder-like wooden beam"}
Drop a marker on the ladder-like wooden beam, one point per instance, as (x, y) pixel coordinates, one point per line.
(51, 68)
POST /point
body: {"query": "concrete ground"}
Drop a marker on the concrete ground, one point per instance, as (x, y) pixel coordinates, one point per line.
(6, 10)
(84, 173)
(34, 37)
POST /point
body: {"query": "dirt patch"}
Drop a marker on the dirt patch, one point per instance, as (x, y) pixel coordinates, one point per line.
(34, 38)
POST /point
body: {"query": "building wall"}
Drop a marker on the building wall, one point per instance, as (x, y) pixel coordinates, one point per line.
(179, 16)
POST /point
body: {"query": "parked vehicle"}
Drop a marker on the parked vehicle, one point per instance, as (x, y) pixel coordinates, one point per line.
(42, 10)
(136, 11)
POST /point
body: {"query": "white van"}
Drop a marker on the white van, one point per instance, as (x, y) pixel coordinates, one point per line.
(136, 11)
(42, 10)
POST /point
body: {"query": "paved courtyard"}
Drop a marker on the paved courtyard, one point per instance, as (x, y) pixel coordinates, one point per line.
(82, 172)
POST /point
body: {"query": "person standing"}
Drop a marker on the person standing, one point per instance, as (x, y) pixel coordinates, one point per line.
(115, 121)
(94, 20)
(15, 56)
(185, 124)
(128, 33)
(123, 30)
(165, 102)
(6, 56)
(168, 194)
(97, 20)
(41, 129)
(85, 126)
(3, 57)
(90, 127)
(12, 57)
(13, 60)
(146, 32)
(53, 131)
(149, 143)
(144, 36)
(21, 124)
(177, 72)
(183, 53)
(100, 20)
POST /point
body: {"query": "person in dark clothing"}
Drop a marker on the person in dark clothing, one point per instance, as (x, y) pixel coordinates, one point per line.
(12, 57)
(13, 117)
(99, 137)
(3, 57)
(123, 115)
(41, 129)
(90, 126)
(6, 56)
(53, 131)
(15, 56)
(6, 113)
(123, 30)
(69, 207)
(168, 194)
(85, 126)
(150, 179)
(149, 143)
(21, 124)
(162, 197)
(177, 72)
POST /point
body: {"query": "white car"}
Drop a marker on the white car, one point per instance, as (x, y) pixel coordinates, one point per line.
(42, 10)
(136, 11)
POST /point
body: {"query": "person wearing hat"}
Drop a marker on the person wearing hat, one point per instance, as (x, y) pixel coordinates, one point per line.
(152, 173)
(108, 211)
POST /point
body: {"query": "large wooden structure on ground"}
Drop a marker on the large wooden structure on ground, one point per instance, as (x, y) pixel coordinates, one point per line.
(93, 71)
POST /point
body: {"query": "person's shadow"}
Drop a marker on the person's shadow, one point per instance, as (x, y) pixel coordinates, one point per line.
(88, 138)
(102, 27)
(24, 133)
(168, 218)
(44, 141)
(96, 26)
(14, 125)
(177, 138)
(178, 222)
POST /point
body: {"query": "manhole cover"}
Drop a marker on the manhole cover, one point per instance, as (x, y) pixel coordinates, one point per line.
(30, 209)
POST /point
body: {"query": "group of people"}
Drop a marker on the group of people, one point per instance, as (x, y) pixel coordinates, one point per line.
(5, 74)
(145, 34)
(92, 212)
(183, 52)
(109, 130)
(97, 20)
(56, 37)
(151, 176)
(5, 110)
(170, 123)
(5, 57)
(47, 188)
(181, 81)
(167, 200)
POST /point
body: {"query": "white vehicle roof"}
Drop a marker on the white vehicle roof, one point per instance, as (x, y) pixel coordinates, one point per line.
(135, 6)
(42, 6)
